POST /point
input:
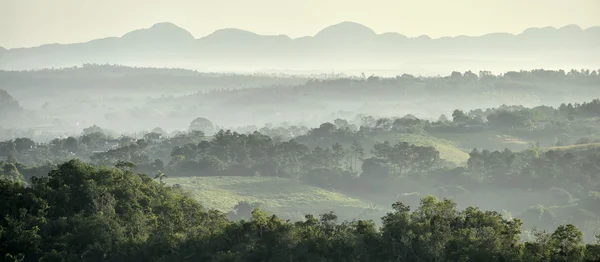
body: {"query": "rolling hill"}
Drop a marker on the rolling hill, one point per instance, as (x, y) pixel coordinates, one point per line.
(289, 198)
(580, 147)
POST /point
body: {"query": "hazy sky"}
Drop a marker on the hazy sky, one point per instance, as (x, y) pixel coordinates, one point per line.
(35, 22)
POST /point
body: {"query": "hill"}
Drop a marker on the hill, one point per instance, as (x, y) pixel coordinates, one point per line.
(10, 109)
(580, 147)
(352, 45)
(448, 150)
(491, 140)
(289, 198)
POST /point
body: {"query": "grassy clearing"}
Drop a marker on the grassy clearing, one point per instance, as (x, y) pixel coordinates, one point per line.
(576, 147)
(489, 140)
(285, 197)
(448, 150)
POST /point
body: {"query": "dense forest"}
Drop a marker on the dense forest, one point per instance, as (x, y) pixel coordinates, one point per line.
(85, 213)
(507, 183)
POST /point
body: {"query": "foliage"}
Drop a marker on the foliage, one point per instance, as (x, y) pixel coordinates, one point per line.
(80, 212)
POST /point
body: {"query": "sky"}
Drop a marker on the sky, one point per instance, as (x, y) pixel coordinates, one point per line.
(25, 23)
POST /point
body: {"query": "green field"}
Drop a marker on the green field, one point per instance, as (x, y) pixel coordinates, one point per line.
(448, 150)
(284, 197)
(576, 147)
(489, 140)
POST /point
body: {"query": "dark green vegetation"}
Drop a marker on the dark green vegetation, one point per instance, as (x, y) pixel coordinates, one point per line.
(57, 209)
(85, 213)
(373, 164)
(535, 163)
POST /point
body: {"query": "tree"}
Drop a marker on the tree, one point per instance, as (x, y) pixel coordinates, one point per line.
(71, 144)
(470, 76)
(242, 210)
(567, 244)
(458, 116)
(340, 123)
(159, 130)
(152, 136)
(202, 124)
(10, 172)
(125, 165)
(443, 118)
(160, 176)
(358, 153)
(92, 129)
(22, 144)
(456, 75)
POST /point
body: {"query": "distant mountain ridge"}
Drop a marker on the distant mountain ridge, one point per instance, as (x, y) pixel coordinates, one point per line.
(346, 42)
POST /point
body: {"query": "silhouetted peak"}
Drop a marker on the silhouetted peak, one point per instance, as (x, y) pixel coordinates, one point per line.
(593, 29)
(233, 32)
(423, 37)
(393, 35)
(165, 25)
(237, 35)
(162, 31)
(571, 28)
(497, 35)
(230, 35)
(345, 30)
(538, 31)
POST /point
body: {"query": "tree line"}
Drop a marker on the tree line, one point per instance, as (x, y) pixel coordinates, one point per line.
(81, 212)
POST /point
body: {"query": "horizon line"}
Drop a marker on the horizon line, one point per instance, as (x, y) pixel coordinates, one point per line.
(311, 36)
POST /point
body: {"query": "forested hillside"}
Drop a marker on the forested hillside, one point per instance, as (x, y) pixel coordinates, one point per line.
(548, 182)
(85, 213)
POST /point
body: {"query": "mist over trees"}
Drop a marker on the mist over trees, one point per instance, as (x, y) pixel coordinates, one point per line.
(68, 102)
(153, 146)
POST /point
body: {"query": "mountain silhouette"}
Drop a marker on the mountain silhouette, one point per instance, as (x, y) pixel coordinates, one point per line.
(346, 31)
(347, 43)
(159, 33)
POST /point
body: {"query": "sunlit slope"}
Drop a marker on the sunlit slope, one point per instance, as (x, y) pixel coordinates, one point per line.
(287, 197)
(490, 140)
(448, 150)
(576, 147)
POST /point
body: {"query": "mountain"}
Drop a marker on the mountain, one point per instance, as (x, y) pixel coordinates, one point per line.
(347, 44)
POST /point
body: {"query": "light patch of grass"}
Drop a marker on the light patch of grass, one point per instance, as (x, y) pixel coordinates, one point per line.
(448, 150)
(490, 140)
(281, 196)
(575, 147)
